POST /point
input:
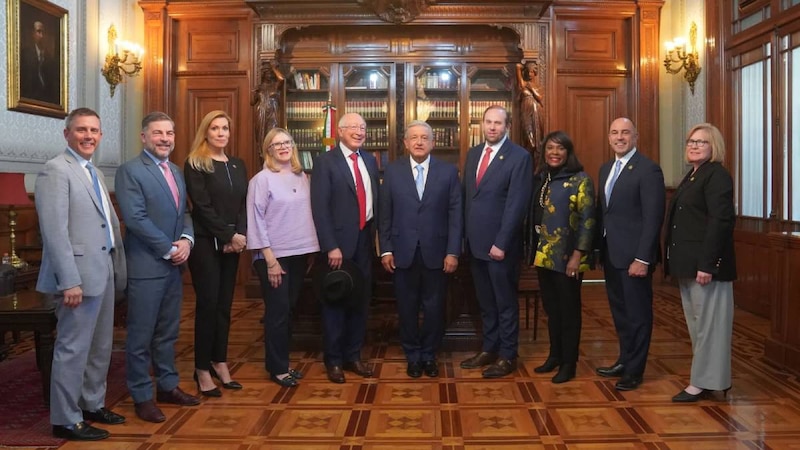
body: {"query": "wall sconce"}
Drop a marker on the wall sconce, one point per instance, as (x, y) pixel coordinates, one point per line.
(687, 59)
(123, 59)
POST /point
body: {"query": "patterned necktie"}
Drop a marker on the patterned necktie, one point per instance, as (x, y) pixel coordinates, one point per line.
(484, 165)
(361, 193)
(420, 180)
(173, 186)
(610, 187)
(99, 193)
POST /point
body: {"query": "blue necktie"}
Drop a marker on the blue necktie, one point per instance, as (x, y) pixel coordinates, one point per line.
(617, 169)
(420, 180)
(99, 193)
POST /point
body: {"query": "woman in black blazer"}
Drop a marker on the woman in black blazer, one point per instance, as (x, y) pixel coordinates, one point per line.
(700, 256)
(217, 187)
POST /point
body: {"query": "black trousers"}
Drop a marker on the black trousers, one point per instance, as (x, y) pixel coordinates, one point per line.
(561, 298)
(279, 303)
(213, 278)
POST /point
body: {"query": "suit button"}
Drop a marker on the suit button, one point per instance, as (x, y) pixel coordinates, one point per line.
(104, 248)
(103, 226)
(674, 227)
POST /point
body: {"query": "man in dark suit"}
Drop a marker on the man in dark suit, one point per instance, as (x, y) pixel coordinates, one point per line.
(344, 193)
(629, 215)
(39, 71)
(497, 179)
(420, 228)
(82, 262)
(158, 238)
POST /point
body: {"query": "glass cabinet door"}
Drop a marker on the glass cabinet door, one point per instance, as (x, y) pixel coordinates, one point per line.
(487, 86)
(435, 99)
(369, 91)
(307, 94)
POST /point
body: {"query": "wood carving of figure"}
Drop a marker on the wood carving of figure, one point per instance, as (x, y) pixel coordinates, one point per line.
(531, 102)
(266, 99)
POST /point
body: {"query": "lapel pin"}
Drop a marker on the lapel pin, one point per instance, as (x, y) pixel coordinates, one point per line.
(630, 167)
(501, 157)
(691, 179)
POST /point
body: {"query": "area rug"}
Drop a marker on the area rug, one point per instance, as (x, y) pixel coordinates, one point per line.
(24, 417)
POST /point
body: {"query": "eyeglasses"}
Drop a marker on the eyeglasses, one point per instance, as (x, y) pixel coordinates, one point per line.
(281, 144)
(696, 143)
(355, 127)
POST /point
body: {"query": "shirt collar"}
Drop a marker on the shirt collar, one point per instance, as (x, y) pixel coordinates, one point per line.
(425, 164)
(81, 160)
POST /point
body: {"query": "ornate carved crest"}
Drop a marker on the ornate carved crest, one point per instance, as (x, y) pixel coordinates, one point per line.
(397, 11)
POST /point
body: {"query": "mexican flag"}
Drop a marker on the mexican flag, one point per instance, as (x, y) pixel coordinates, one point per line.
(329, 131)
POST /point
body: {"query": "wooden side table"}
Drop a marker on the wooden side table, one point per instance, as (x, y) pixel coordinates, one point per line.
(32, 311)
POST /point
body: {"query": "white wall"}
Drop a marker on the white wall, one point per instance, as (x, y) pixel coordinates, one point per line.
(29, 140)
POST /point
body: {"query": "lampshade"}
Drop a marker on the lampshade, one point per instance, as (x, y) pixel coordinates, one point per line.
(12, 189)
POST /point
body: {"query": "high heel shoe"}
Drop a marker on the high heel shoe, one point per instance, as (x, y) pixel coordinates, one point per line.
(685, 397)
(299, 375)
(287, 381)
(229, 385)
(210, 393)
(549, 365)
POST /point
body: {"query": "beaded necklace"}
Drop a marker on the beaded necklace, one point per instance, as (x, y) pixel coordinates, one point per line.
(543, 198)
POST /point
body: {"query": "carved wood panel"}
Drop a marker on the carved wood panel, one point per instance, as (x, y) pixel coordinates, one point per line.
(204, 45)
(592, 44)
(751, 290)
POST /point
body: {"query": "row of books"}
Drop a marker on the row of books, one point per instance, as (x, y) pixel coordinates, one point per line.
(306, 110)
(445, 136)
(306, 80)
(369, 109)
(477, 107)
(437, 109)
(306, 159)
(307, 137)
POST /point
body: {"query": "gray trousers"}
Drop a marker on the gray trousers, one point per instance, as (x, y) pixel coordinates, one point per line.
(81, 355)
(709, 316)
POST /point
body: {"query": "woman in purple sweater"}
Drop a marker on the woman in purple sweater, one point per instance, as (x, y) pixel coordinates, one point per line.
(281, 232)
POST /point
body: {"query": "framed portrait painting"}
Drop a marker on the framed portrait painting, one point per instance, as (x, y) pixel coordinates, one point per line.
(37, 57)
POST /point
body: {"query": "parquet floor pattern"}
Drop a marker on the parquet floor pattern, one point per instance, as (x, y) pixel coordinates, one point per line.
(461, 411)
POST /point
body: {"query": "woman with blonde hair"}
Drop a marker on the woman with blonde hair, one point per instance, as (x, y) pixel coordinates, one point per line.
(700, 255)
(217, 186)
(280, 230)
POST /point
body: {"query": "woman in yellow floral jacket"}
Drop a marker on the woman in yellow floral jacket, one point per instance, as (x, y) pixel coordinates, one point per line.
(563, 217)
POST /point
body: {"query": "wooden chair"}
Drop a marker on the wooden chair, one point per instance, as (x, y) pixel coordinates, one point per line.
(529, 288)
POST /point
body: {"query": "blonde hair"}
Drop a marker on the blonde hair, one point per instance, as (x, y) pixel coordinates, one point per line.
(200, 154)
(269, 160)
(715, 140)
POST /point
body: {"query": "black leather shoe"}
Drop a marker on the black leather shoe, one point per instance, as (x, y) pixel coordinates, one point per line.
(479, 360)
(209, 393)
(628, 383)
(414, 369)
(335, 374)
(296, 374)
(177, 397)
(431, 368)
(685, 397)
(359, 368)
(149, 412)
(500, 368)
(617, 370)
(104, 415)
(565, 373)
(80, 432)
(550, 364)
(288, 381)
(230, 384)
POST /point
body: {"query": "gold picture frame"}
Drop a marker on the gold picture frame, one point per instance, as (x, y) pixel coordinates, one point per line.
(37, 57)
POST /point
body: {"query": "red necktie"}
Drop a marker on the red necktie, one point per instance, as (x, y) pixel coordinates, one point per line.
(173, 186)
(361, 194)
(483, 166)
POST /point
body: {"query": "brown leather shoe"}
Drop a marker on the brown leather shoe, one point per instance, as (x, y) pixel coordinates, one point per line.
(335, 374)
(149, 412)
(479, 360)
(500, 368)
(358, 368)
(177, 397)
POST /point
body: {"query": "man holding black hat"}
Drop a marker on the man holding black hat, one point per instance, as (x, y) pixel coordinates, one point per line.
(420, 230)
(344, 192)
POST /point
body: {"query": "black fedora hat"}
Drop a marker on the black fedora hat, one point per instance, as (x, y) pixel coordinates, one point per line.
(340, 287)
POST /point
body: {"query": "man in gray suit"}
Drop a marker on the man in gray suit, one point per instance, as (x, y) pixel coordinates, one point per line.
(82, 262)
(158, 238)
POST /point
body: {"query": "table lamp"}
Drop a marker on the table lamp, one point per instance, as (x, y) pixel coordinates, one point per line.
(12, 193)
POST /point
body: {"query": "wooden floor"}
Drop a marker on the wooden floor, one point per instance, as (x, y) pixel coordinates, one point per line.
(460, 410)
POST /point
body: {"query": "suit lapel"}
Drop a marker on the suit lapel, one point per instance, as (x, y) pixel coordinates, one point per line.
(342, 163)
(625, 174)
(80, 172)
(155, 170)
(495, 164)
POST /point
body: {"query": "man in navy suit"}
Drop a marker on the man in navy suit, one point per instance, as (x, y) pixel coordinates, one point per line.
(420, 228)
(629, 216)
(344, 193)
(158, 238)
(498, 180)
